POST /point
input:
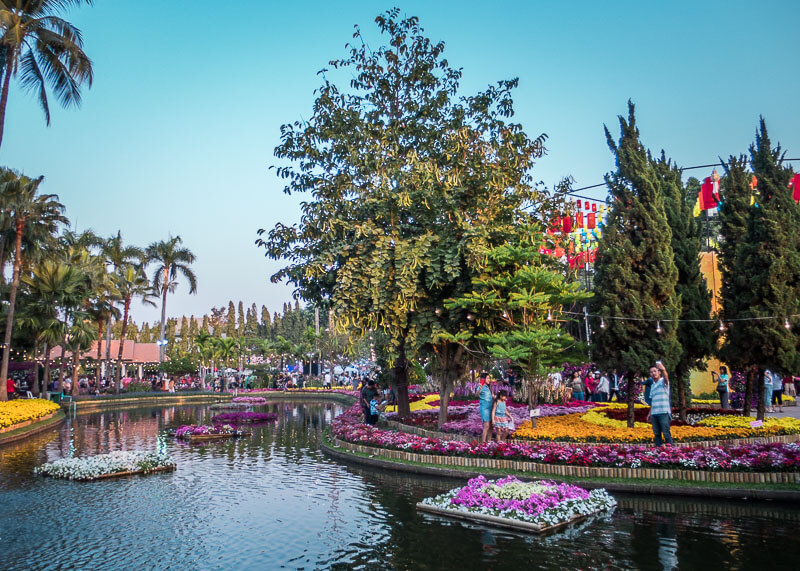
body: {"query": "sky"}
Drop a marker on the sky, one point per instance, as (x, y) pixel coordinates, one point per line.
(176, 135)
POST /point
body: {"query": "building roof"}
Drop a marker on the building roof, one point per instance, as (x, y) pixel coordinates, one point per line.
(132, 352)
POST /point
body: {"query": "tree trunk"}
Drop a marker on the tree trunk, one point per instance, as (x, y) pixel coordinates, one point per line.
(631, 399)
(682, 396)
(4, 102)
(12, 297)
(127, 307)
(451, 367)
(163, 313)
(762, 404)
(108, 350)
(61, 362)
(35, 385)
(76, 365)
(46, 379)
(99, 371)
(401, 382)
(748, 392)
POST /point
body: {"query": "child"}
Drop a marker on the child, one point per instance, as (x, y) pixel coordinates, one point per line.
(502, 420)
(375, 407)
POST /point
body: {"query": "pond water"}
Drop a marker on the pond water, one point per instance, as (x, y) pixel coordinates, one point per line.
(274, 500)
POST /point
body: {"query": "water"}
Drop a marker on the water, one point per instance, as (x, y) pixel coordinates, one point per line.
(275, 501)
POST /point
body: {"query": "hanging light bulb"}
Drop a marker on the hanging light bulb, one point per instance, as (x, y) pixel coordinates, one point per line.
(602, 323)
(549, 315)
(505, 314)
(470, 316)
(786, 324)
(438, 311)
(721, 326)
(658, 327)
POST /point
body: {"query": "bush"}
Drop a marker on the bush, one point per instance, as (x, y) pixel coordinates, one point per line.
(138, 387)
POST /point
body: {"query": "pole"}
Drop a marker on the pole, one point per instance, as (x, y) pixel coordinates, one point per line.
(316, 339)
(588, 330)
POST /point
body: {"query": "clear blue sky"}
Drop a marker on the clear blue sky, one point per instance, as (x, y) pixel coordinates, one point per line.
(178, 132)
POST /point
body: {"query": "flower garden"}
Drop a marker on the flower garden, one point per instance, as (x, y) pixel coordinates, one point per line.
(120, 463)
(752, 457)
(241, 417)
(206, 432)
(508, 501)
(22, 410)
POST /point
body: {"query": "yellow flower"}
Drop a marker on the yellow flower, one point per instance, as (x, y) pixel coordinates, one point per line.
(20, 410)
(421, 404)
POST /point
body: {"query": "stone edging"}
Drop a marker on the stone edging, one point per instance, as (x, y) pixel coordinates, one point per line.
(633, 487)
(34, 427)
(580, 471)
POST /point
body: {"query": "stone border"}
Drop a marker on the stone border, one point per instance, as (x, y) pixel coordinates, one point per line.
(93, 405)
(35, 427)
(632, 488)
(25, 423)
(580, 471)
(504, 522)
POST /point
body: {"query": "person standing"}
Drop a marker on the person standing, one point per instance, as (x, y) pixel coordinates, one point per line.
(486, 398)
(500, 417)
(723, 386)
(576, 384)
(590, 382)
(660, 409)
(613, 385)
(777, 392)
(767, 391)
(367, 394)
(602, 388)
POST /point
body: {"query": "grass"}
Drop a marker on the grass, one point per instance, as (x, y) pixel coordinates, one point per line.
(633, 484)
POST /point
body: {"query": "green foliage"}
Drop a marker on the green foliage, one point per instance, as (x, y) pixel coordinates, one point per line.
(179, 366)
(635, 271)
(138, 387)
(511, 305)
(409, 185)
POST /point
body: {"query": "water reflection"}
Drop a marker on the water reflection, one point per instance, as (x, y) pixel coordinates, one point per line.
(274, 500)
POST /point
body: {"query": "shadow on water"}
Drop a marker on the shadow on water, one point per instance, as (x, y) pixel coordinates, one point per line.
(273, 500)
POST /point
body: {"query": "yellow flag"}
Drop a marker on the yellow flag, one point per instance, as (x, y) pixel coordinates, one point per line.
(696, 211)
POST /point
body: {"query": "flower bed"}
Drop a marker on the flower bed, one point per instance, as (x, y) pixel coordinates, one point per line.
(21, 410)
(204, 431)
(243, 417)
(544, 504)
(777, 457)
(230, 406)
(786, 399)
(422, 403)
(119, 463)
(249, 400)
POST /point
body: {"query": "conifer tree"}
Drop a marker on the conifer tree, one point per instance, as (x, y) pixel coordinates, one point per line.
(265, 327)
(241, 325)
(144, 334)
(230, 321)
(735, 292)
(769, 261)
(695, 337)
(206, 325)
(635, 272)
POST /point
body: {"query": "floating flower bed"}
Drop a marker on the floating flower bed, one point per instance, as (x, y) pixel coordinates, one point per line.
(249, 400)
(230, 406)
(529, 506)
(243, 417)
(118, 463)
(768, 457)
(21, 410)
(206, 432)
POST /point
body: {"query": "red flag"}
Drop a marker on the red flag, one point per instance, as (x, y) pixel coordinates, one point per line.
(795, 185)
(594, 207)
(706, 198)
(586, 205)
(590, 221)
(579, 220)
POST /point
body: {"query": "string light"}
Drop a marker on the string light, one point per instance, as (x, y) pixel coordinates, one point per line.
(505, 314)
(549, 315)
(721, 326)
(438, 311)
(658, 327)
(602, 323)
(470, 316)
(786, 324)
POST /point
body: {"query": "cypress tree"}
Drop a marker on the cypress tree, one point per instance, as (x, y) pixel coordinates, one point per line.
(206, 325)
(635, 272)
(230, 321)
(769, 261)
(265, 327)
(695, 337)
(242, 322)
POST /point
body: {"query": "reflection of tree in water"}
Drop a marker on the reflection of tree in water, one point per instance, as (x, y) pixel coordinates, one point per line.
(18, 459)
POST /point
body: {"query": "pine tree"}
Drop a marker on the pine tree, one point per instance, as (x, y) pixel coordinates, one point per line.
(144, 334)
(206, 325)
(265, 327)
(230, 321)
(695, 337)
(241, 324)
(769, 261)
(635, 272)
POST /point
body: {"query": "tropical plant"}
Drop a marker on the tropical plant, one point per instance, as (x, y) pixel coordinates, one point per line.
(171, 260)
(43, 50)
(24, 207)
(130, 281)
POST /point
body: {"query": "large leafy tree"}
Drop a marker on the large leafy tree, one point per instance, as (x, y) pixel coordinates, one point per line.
(171, 260)
(410, 184)
(768, 261)
(130, 281)
(695, 332)
(42, 50)
(24, 208)
(635, 272)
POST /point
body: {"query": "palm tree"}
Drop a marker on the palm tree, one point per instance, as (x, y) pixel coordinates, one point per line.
(80, 336)
(116, 254)
(131, 282)
(171, 260)
(44, 50)
(225, 348)
(24, 207)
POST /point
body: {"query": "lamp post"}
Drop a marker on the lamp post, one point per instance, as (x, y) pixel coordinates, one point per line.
(162, 348)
